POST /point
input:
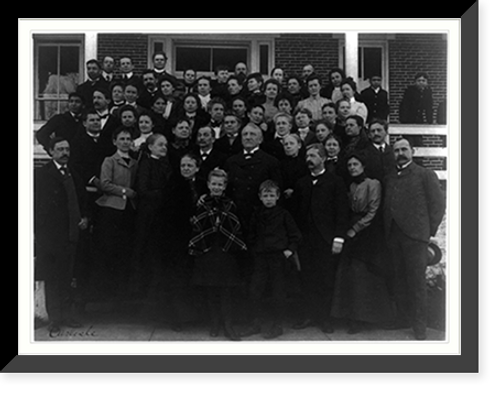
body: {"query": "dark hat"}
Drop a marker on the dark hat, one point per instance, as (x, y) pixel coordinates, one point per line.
(434, 254)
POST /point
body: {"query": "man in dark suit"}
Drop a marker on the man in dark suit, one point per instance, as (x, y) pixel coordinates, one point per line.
(321, 211)
(89, 148)
(247, 170)
(210, 158)
(127, 74)
(376, 99)
(60, 214)
(379, 155)
(414, 207)
(95, 81)
(63, 125)
(150, 90)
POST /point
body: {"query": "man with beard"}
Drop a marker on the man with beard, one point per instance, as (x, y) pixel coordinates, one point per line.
(60, 214)
(150, 90)
(321, 210)
(414, 207)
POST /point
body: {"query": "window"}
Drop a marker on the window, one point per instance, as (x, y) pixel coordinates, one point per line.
(205, 59)
(371, 60)
(204, 52)
(57, 73)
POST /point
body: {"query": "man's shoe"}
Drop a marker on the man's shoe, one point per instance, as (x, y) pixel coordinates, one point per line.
(214, 330)
(251, 330)
(300, 325)
(72, 323)
(327, 327)
(420, 335)
(397, 325)
(275, 331)
(230, 333)
(54, 328)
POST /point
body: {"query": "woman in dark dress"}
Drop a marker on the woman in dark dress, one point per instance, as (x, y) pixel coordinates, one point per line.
(215, 242)
(153, 184)
(356, 140)
(361, 292)
(293, 166)
(187, 187)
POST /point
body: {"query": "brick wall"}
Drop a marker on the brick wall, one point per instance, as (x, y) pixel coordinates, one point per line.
(293, 51)
(411, 53)
(119, 45)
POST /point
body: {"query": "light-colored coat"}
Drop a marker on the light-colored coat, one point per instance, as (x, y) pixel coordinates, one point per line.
(116, 177)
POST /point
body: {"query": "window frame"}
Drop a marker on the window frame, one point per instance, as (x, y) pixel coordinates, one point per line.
(369, 43)
(251, 42)
(46, 40)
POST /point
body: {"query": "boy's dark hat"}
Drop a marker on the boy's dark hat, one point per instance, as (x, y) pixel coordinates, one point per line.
(434, 254)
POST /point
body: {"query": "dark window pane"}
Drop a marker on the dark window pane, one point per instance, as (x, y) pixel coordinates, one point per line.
(47, 65)
(372, 62)
(195, 58)
(158, 47)
(228, 57)
(70, 60)
(264, 59)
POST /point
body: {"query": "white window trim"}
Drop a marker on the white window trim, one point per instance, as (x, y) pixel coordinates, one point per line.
(371, 43)
(252, 41)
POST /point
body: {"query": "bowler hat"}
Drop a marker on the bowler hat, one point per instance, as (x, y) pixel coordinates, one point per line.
(434, 254)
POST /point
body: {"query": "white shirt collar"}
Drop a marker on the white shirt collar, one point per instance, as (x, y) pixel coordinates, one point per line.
(383, 145)
(121, 154)
(252, 151)
(404, 165)
(58, 165)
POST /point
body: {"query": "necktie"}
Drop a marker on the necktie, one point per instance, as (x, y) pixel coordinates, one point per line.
(381, 149)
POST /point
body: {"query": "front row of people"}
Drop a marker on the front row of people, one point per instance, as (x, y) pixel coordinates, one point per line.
(342, 255)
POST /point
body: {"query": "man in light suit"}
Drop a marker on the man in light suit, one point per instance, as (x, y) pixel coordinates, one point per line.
(60, 215)
(414, 207)
(321, 210)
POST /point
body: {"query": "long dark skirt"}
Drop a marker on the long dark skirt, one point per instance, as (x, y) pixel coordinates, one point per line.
(361, 288)
(114, 238)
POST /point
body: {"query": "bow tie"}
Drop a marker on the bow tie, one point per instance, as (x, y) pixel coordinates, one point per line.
(64, 171)
(248, 155)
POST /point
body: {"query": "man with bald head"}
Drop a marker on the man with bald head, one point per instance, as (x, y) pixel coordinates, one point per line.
(414, 207)
(247, 170)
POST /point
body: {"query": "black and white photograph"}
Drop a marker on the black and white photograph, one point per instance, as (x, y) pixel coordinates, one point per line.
(205, 187)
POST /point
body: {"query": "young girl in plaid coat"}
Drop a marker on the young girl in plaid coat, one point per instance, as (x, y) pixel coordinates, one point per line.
(215, 243)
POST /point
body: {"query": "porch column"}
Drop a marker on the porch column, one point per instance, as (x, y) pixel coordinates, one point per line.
(90, 46)
(351, 55)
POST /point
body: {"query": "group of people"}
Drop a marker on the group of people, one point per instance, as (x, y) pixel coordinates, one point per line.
(255, 204)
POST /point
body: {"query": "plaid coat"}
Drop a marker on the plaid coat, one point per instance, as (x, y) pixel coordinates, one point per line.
(215, 217)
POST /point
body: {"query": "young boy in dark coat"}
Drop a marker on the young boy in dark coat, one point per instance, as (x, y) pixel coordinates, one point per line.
(273, 239)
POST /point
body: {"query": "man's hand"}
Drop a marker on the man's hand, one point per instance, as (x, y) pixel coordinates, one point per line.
(84, 223)
(287, 253)
(337, 247)
(351, 233)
